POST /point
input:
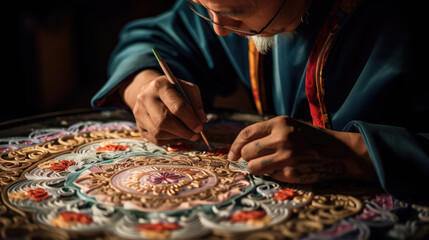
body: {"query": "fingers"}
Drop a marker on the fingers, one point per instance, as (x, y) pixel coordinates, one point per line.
(247, 135)
(310, 172)
(180, 109)
(149, 137)
(258, 148)
(265, 165)
(300, 173)
(147, 130)
(286, 150)
(162, 120)
(163, 114)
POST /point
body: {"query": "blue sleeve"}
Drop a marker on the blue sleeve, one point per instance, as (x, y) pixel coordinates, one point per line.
(387, 103)
(400, 158)
(185, 41)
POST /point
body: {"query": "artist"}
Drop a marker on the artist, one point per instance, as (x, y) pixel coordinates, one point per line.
(339, 74)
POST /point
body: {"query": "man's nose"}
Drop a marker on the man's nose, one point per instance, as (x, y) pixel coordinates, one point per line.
(221, 31)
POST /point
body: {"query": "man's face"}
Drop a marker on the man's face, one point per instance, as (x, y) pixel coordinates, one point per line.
(252, 15)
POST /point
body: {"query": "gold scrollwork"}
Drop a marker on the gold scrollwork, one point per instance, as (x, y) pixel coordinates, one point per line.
(324, 210)
(13, 163)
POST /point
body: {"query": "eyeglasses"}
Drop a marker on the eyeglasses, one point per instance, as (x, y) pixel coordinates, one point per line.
(203, 13)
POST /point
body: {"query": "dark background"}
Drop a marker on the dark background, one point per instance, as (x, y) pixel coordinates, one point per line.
(55, 53)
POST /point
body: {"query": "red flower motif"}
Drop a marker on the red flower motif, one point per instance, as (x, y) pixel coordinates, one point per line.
(60, 166)
(158, 227)
(38, 194)
(112, 148)
(75, 217)
(244, 216)
(284, 194)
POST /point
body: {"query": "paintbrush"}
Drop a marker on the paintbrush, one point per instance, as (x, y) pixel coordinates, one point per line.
(176, 84)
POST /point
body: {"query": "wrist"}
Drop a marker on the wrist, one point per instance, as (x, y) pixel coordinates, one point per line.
(359, 164)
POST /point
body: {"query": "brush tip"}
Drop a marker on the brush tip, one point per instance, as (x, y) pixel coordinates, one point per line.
(206, 141)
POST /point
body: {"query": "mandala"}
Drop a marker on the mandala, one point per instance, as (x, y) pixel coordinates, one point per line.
(160, 183)
(104, 180)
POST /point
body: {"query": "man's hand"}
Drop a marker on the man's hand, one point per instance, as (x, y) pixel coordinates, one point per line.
(160, 111)
(293, 151)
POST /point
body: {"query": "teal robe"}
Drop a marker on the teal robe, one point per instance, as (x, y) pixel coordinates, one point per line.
(372, 81)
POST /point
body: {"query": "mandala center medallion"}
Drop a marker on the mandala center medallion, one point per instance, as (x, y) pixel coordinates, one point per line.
(160, 183)
(164, 180)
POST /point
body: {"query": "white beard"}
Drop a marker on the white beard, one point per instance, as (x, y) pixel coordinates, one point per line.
(265, 44)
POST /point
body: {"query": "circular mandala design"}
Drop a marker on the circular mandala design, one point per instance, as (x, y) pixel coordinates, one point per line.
(164, 180)
(159, 183)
